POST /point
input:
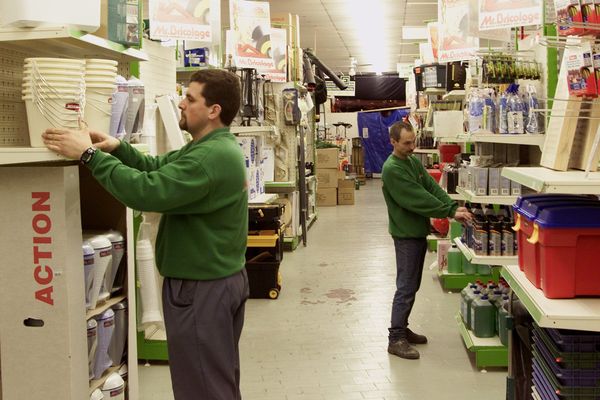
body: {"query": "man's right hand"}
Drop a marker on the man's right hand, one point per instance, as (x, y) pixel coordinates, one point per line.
(104, 142)
(463, 215)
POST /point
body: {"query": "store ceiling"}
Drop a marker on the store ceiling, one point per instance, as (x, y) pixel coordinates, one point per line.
(368, 30)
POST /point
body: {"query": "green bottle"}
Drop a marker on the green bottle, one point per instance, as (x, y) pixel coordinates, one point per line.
(483, 317)
(454, 260)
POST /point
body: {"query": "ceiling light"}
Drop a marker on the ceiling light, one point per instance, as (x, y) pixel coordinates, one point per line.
(414, 32)
(420, 3)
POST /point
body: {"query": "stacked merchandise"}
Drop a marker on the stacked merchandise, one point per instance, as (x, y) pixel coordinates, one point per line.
(450, 257)
(264, 257)
(558, 238)
(358, 160)
(482, 175)
(566, 364)
(484, 309)
(510, 112)
(491, 232)
(328, 174)
(251, 146)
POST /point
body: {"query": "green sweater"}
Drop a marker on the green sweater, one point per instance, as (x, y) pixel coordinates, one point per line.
(201, 191)
(412, 197)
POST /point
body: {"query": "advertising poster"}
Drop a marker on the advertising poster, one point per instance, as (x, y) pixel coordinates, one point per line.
(250, 22)
(494, 14)
(433, 39)
(279, 55)
(180, 20)
(455, 43)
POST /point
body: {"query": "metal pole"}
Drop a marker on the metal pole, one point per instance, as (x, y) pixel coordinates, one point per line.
(302, 180)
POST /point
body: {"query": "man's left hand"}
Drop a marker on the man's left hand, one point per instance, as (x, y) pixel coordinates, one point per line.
(67, 142)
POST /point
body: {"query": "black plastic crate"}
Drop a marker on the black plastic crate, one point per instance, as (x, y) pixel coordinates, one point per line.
(566, 376)
(264, 279)
(563, 392)
(573, 360)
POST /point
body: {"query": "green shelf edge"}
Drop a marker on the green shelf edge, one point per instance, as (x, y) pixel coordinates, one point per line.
(492, 356)
(459, 281)
(151, 349)
(523, 296)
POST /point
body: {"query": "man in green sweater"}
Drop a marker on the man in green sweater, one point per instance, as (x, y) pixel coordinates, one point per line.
(412, 198)
(201, 191)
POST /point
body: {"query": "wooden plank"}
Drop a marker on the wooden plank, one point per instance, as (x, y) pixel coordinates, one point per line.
(583, 142)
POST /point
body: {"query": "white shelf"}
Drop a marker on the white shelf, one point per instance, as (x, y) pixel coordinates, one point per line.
(97, 383)
(23, 155)
(488, 137)
(65, 42)
(545, 180)
(455, 94)
(577, 313)
(264, 198)
(101, 307)
(434, 91)
(473, 198)
(452, 139)
(241, 130)
(426, 151)
(422, 110)
(456, 196)
(484, 260)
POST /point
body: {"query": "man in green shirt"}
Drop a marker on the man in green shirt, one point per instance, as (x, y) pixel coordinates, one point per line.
(412, 198)
(201, 191)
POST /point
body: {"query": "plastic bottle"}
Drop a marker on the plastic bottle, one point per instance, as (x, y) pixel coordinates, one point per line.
(535, 122)
(483, 317)
(502, 320)
(476, 110)
(468, 267)
(514, 105)
(454, 260)
(470, 298)
(464, 296)
(503, 114)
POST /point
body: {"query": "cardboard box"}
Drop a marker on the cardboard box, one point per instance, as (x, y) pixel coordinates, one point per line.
(345, 197)
(494, 181)
(42, 304)
(328, 158)
(291, 213)
(580, 71)
(346, 184)
(120, 21)
(504, 186)
(568, 11)
(341, 175)
(326, 197)
(515, 188)
(327, 178)
(480, 180)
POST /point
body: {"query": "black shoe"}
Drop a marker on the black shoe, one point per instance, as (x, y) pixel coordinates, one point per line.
(403, 349)
(415, 338)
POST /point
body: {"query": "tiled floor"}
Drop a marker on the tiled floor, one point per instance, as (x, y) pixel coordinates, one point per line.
(326, 335)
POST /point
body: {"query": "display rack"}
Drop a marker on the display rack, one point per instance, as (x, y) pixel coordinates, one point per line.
(468, 195)
(577, 313)
(485, 260)
(458, 281)
(489, 352)
(23, 155)
(545, 180)
(65, 42)
(489, 137)
(426, 151)
(456, 196)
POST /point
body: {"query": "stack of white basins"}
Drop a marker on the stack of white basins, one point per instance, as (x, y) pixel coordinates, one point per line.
(100, 83)
(54, 95)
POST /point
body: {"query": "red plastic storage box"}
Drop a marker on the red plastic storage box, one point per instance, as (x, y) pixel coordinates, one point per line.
(569, 245)
(448, 151)
(527, 212)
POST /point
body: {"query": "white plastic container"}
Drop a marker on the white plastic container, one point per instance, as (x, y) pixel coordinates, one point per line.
(119, 338)
(102, 259)
(77, 61)
(97, 395)
(42, 115)
(114, 387)
(106, 326)
(101, 61)
(79, 14)
(92, 342)
(88, 270)
(118, 250)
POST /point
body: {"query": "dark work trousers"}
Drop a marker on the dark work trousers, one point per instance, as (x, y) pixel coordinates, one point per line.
(410, 255)
(204, 321)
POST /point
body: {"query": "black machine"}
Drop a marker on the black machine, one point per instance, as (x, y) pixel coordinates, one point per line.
(451, 76)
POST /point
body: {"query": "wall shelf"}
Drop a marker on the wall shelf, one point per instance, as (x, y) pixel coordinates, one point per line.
(104, 306)
(426, 151)
(484, 260)
(489, 137)
(577, 313)
(26, 155)
(473, 198)
(545, 180)
(65, 42)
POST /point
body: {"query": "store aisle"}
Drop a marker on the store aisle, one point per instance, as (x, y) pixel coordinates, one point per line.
(326, 335)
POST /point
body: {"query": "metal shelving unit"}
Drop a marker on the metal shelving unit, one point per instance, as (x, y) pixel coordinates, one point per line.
(451, 281)
(489, 352)
(545, 180)
(485, 260)
(489, 137)
(473, 198)
(577, 313)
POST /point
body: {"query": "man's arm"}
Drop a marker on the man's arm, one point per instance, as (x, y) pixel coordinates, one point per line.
(411, 195)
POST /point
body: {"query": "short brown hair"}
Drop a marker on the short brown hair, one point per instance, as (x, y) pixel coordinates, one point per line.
(397, 127)
(220, 87)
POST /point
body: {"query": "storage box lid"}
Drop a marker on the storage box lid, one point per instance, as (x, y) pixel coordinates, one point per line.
(531, 209)
(579, 216)
(535, 197)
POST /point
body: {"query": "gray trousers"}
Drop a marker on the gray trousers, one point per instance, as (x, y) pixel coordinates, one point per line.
(204, 321)
(410, 255)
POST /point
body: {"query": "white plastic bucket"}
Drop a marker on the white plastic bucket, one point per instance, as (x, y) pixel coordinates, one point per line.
(39, 119)
(97, 110)
(102, 61)
(109, 80)
(78, 61)
(100, 73)
(50, 65)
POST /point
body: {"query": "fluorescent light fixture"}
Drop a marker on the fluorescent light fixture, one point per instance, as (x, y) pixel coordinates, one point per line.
(414, 32)
(420, 3)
